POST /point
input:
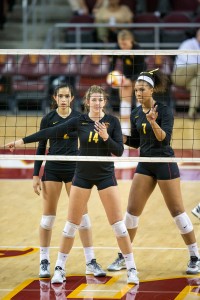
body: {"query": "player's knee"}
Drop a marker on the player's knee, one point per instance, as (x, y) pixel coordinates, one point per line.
(47, 222)
(131, 221)
(120, 229)
(85, 222)
(70, 229)
(183, 223)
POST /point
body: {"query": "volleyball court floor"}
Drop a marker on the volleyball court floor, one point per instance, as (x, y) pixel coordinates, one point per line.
(160, 254)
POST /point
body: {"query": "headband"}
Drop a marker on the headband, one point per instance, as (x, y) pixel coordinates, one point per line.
(147, 79)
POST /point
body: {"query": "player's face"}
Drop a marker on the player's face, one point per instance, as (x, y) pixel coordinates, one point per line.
(125, 44)
(96, 102)
(143, 92)
(63, 97)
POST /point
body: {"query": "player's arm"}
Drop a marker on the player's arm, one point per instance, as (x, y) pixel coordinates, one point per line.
(53, 132)
(41, 150)
(134, 139)
(114, 143)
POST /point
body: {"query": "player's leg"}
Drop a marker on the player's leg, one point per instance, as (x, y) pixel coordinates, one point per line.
(171, 191)
(77, 203)
(50, 195)
(125, 94)
(141, 188)
(112, 205)
(85, 233)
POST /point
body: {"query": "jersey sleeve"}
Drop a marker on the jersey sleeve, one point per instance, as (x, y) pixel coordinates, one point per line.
(167, 123)
(115, 142)
(134, 139)
(53, 132)
(41, 149)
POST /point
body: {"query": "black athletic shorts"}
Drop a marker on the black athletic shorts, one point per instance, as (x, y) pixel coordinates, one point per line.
(57, 176)
(100, 184)
(159, 171)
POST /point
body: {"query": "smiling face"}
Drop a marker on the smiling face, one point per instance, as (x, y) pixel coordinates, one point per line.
(143, 93)
(63, 98)
(96, 103)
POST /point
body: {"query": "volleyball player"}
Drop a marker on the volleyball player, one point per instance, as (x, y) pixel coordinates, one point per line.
(100, 135)
(151, 130)
(55, 174)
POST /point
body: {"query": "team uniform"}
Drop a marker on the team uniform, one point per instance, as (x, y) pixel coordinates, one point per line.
(87, 173)
(142, 136)
(58, 171)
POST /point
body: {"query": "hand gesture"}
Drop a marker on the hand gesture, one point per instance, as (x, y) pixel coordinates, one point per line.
(14, 144)
(152, 114)
(101, 129)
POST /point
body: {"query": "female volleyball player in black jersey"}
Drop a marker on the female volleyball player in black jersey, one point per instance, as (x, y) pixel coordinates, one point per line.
(55, 174)
(151, 130)
(100, 135)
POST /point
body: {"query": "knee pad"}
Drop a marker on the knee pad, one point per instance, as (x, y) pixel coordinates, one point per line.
(131, 221)
(70, 229)
(183, 223)
(120, 229)
(47, 222)
(85, 222)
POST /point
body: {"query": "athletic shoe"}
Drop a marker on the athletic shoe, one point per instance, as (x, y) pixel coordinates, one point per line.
(118, 264)
(193, 266)
(59, 275)
(196, 211)
(44, 269)
(132, 276)
(94, 268)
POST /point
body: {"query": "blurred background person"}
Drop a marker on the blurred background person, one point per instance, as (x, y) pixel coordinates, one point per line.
(130, 66)
(186, 72)
(113, 13)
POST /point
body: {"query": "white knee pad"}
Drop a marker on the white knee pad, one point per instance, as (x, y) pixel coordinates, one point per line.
(120, 229)
(70, 229)
(131, 221)
(85, 222)
(184, 223)
(47, 222)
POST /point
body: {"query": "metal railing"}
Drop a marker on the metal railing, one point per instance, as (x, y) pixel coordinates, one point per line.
(54, 40)
(30, 16)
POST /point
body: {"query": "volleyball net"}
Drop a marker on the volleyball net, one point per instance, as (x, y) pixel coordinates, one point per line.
(28, 78)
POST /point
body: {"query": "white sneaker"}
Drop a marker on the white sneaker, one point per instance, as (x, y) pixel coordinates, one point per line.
(193, 266)
(59, 275)
(132, 276)
(94, 268)
(196, 211)
(44, 269)
(118, 264)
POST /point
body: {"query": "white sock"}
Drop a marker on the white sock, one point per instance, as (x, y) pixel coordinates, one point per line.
(61, 260)
(193, 250)
(44, 253)
(89, 254)
(129, 260)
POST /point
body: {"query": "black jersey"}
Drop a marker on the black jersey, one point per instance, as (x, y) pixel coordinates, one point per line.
(132, 65)
(91, 144)
(68, 145)
(143, 136)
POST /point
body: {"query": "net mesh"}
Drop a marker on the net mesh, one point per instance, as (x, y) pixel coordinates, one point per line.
(28, 77)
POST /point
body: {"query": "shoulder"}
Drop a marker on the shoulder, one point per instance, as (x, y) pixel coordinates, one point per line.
(75, 113)
(48, 117)
(165, 109)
